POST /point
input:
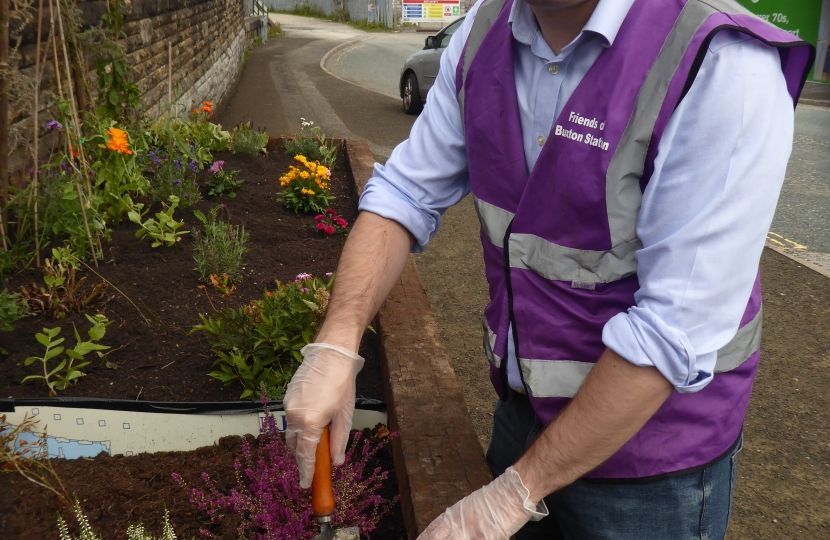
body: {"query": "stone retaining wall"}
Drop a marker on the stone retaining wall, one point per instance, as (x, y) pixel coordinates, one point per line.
(208, 39)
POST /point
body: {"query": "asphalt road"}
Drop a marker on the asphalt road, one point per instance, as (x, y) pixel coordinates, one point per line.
(802, 219)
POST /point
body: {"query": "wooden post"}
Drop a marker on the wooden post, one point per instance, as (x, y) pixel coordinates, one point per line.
(170, 73)
(35, 130)
(4, 118)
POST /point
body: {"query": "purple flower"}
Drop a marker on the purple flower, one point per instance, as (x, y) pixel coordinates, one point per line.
(53, 125)
(177, 163)
(193, 166)
(304, 290)
(176, 181)
(303, 276)
(186, 196)
(329, 274)
(216, 166)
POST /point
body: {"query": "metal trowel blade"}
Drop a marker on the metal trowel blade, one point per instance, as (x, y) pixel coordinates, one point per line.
(350, 533)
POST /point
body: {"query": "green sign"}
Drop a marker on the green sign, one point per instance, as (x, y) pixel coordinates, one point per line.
(798, 17)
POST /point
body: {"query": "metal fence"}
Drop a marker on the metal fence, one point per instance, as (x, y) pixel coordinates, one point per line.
(384, 12)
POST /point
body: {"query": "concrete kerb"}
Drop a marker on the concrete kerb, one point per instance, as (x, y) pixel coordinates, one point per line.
(324, 60)
(802, 262)
(438, 458)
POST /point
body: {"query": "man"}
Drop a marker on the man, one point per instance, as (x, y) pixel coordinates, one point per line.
(625, 158)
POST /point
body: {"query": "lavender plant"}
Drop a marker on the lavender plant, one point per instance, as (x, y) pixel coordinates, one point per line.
(268, 502)
(218, 247)
(173, 174)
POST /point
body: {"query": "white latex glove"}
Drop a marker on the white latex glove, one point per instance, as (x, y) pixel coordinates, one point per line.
(495, 512)
(321, 392)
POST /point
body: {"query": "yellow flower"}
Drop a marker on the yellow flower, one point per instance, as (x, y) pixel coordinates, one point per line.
(118, 141)
(305, 191)
(301, 159)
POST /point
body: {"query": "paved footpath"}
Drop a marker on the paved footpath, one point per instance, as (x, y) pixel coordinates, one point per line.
(783, 484)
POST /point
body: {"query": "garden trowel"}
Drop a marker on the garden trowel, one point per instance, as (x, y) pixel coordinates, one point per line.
(322, 495)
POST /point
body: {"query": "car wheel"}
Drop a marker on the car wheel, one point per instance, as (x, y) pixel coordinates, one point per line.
(411, 95)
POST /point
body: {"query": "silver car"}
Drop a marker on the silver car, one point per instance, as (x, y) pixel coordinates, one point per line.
(420, 70)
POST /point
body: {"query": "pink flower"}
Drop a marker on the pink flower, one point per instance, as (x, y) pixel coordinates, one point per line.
(216, 166)
(329, 274)
(320, 226)
(340, 221)
(330, 212)
(301, 277)
(319, 218)
(304, 290)
(329, 229)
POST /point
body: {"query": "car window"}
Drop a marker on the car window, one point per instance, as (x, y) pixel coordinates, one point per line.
(448, 32)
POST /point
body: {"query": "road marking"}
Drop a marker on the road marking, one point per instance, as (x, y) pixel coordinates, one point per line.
(785, 243)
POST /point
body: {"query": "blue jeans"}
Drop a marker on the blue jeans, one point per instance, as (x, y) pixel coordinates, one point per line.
(687, 506)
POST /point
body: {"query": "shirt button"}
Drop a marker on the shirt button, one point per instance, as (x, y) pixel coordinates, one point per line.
(553, 68)
(540, 139)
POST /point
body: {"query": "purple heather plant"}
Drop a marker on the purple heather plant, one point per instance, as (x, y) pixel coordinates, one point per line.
(268, 499)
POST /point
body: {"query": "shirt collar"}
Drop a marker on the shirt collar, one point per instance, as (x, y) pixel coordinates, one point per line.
(606, 21)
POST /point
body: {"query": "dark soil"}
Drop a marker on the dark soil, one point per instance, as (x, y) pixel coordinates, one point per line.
(116, 491)
(161, 362)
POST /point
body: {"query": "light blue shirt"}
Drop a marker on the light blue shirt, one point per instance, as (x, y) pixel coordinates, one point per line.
(706, 210)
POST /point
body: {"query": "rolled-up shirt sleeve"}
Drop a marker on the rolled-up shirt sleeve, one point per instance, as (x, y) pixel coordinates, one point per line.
(706, 212)
(427, 173)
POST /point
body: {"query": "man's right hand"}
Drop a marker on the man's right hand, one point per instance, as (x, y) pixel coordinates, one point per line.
(321, 392)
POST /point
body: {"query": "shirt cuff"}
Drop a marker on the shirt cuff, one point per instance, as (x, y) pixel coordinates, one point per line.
(388, 200)
(645, 340)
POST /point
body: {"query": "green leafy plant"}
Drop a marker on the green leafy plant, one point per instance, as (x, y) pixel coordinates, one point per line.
(222, 182)
(118, 97)
(312, 144)
(164, 230)
(306, 189)
(259, 343)
(134, 532)
(173, 173)
(245, 139)
(218, 248)
(71, 372)
(62, 292)
(13, 307)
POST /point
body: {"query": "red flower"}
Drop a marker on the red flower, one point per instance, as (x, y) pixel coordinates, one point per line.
(329, 229)
(320, 226)
(340, 221)
(319, 218)
(330, 212)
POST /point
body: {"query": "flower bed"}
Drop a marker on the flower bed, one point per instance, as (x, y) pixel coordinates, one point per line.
(153, 355)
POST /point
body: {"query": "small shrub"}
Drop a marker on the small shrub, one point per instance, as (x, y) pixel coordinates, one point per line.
(218, 249)
(306, 189)
(222, 182)
(163, 229)
(173, 174)
(312, 144)
(53, 378)
(63, 292)
(12, 308)
(269, 503)
(259, 343)
(134, 532)
(329, 224)
(245, 139)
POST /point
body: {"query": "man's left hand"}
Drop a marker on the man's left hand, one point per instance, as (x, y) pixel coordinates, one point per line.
(494, 512)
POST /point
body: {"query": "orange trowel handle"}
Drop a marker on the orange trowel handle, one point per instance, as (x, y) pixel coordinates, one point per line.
(322, 494)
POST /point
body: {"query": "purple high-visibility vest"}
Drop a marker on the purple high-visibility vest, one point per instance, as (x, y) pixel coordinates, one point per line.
(560, 244)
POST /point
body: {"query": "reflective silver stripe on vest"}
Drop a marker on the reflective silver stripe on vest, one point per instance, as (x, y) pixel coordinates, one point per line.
(560, 263)
(485, 17)
(552, 261)
(490, 344)
(562, 378)
(622, 187)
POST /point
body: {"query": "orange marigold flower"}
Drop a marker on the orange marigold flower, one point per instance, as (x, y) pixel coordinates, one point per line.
(206, 109)
(118, 141)
(208, 104)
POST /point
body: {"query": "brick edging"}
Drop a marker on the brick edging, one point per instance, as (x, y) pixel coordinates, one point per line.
(438, 458)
